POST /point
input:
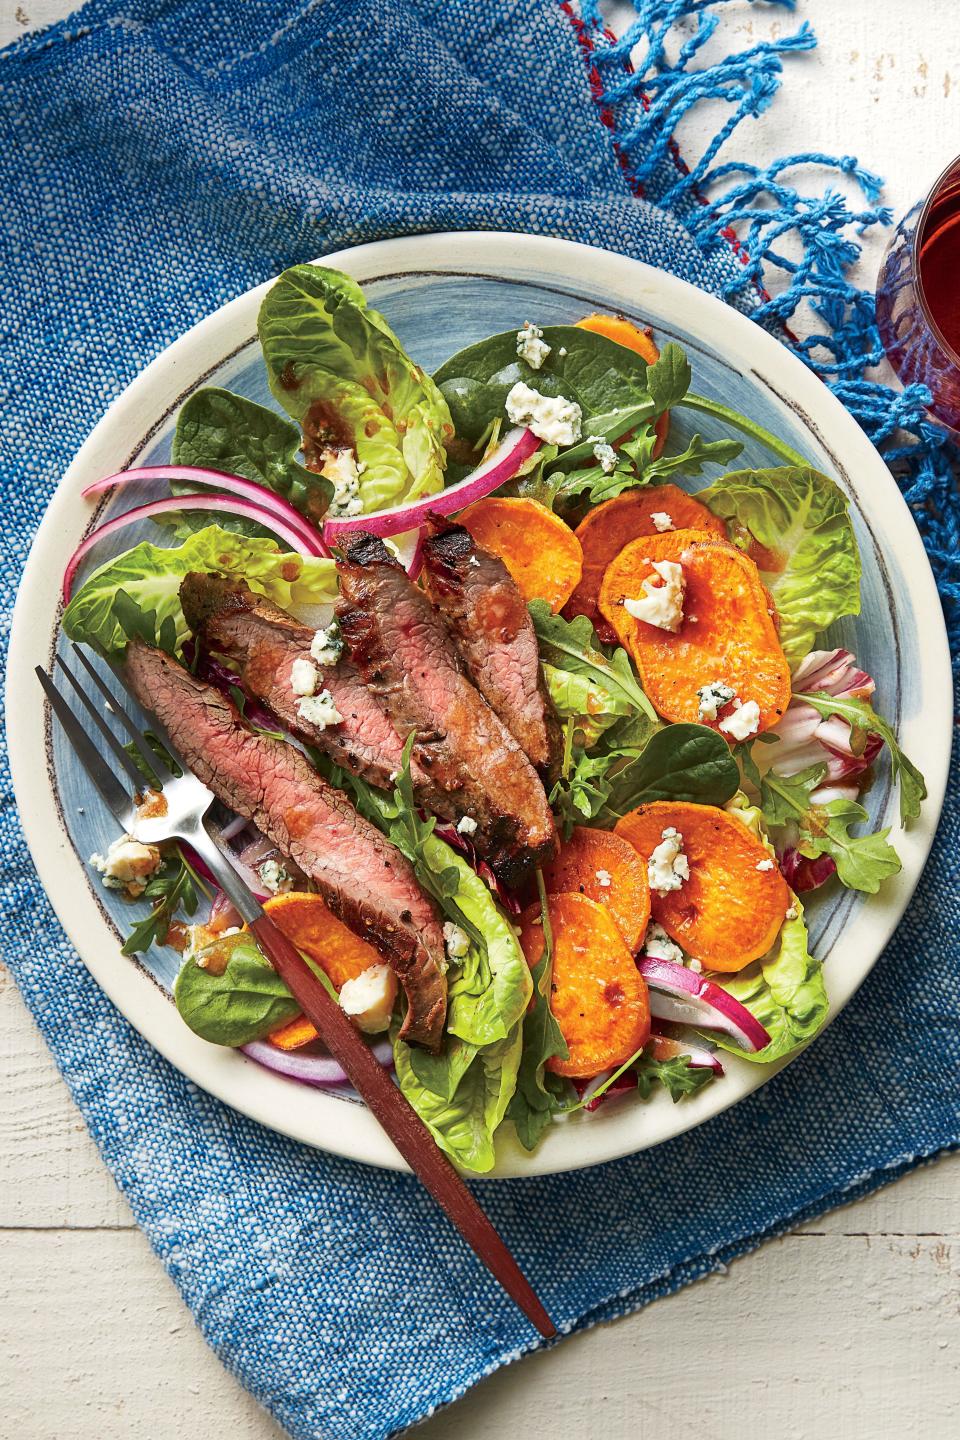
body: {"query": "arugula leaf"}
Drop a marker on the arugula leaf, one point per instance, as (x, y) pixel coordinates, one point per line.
(809, 559)
(243, 1002)
(572, 645)
(677, 1076)
(172, 888)
(582, 789)
(539, 1094)
(786, 994)
(140, 589)
(679, 762)
(863, 861)
(218, 430)
(862, 717)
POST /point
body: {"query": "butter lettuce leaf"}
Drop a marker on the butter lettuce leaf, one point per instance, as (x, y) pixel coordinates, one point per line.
(337, 368)
(808, 556)
(785, 993)
(138, 592)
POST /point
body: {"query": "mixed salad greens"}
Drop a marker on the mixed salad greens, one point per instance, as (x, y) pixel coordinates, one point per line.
(688, 806)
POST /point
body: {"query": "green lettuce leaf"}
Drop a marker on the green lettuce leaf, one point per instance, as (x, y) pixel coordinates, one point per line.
(337, 367)
(572, 645)
(138, 592)
(785, 993)
(864, 720)
(244, 1003)
(218, 430)
(539, 1094)
(801, 519)
(591, 706)
(863, 861)
(464, 1123)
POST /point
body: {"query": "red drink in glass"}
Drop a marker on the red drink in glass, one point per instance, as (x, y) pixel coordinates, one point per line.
(918, 297)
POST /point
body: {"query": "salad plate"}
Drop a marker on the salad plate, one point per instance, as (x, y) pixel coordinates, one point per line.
(442, 295)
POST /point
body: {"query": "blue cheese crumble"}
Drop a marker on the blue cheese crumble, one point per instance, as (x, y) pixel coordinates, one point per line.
(744, 722)
(275, 877)
(326, 647)
(658, 945)
(303, 677)
(341, 469)
(660, 605)
(127, 865)
(712, 698)
(531, 345)
(456, 940)
(604, 454)
(319, 710)
(668, 867)
(552, 419)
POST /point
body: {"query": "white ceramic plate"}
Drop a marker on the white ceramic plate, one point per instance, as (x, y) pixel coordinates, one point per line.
(442, 292)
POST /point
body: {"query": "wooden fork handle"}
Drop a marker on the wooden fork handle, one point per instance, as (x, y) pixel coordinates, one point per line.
(400, 1121)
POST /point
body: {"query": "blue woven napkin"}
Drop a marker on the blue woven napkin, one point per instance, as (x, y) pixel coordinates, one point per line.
(159, 158)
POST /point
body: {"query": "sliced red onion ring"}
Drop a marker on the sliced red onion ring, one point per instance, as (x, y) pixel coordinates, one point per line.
(320, 1070)
(224, 503)
(222, 481)
(499, 467)
(683, 997)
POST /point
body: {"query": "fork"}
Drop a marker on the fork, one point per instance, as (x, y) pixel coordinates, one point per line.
(186, 802)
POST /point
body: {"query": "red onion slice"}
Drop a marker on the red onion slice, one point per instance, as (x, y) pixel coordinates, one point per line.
(683, 997)
(499, 467)
(310, 548)
(320, 1070)
(221, 481)
(668, 1047)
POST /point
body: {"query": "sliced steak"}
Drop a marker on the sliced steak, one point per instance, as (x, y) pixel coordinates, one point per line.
(364, 880)
(491, 626)
(262, 642)
(404, 653)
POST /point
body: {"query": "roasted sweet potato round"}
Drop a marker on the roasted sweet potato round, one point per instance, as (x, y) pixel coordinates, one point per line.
(730, 909)
(599, 997)
(541, 552)
(605, 531)
(727, 633)
(608, 870)
(305, 919)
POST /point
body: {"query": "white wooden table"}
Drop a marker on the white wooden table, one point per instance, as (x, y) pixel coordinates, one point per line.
(848, 1328)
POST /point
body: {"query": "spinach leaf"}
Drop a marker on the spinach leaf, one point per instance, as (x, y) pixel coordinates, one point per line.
(864, 719)
(221, 431)
(243, 1003)
(809, 559)
(679, 762)
(862, 861)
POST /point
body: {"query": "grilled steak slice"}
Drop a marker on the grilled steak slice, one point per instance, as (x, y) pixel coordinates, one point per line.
(493, 631)
(262, 642)
(364, 880)
(401, 648)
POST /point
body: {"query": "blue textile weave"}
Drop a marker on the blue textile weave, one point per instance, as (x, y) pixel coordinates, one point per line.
(160, 157)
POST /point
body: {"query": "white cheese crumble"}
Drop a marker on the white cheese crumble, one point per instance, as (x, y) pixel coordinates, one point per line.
(467, 826)
(712, 698)
(369, 998)
(662, 520)
(275, 877)
(668, 867)
(660, 605)
(127, 865)
(531, 345)
(658, 945)
(303, 677)
(319, 710)
(326, 647)
(767, 864)
(340, 467)
(562, 351)
(551, 418)
(744, 722)
(604, 879)
(791, 913)
(696, 966)
(456, 940)
(604, 454)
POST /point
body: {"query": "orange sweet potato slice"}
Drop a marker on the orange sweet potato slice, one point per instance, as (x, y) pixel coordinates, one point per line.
(541, 552)
(599, 997)
(728, 912)
(605, 531)
(727, 633)
(305, 920)
(608, 870)
(624, 332)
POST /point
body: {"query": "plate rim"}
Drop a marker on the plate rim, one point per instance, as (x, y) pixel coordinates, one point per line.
(310, 1116)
